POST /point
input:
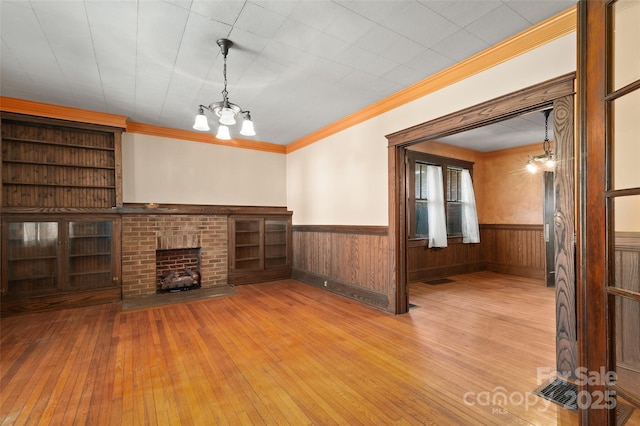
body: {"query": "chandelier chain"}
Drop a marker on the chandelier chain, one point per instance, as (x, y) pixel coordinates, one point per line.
(224, 73)
(546, 144)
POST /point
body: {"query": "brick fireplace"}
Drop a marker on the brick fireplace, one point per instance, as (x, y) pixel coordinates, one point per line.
(143, 234)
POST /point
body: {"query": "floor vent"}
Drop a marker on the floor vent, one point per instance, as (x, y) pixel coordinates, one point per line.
(561, 392)
(565, 394)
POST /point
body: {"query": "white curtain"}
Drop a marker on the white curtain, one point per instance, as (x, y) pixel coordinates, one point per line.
(435, 207)
(470, 231)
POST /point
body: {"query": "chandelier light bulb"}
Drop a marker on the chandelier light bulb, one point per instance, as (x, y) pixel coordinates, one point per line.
(531, 168)
(201, 122)
(550, 162)
(247, 128)
(223, 133)
(227, 117)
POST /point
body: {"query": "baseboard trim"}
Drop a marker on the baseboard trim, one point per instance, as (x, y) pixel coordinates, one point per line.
(521, 271)
(444, 271)
(369, 297)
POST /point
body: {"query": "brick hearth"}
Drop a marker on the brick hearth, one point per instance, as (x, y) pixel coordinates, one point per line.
(143, 234)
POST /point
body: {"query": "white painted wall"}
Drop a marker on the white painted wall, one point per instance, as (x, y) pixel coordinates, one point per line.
(164, 170)
(342, 179)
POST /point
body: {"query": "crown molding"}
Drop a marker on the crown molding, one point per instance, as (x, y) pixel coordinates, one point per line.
(167, 132)
(21, 106)
(551, 29)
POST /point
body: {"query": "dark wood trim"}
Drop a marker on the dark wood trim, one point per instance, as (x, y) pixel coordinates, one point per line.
(521, 271)
(489, 112)
(117, 145)
(252, 277)
(591, 238)
(438, 272)
(59, 214)
(424, 242)
(398, 232)
(343, 229)
(564, 231)
(34, 119)
(438, 159)
(627, 241)
(514, 227)
(628, 294)
(372, 298)
(139, 208)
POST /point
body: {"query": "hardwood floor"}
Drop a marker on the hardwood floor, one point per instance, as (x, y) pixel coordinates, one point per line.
(288, 353)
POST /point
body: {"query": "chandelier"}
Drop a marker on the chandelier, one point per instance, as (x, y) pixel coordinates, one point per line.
(547, 158)
(224, 110)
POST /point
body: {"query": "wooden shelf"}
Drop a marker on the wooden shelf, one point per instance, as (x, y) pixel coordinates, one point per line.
(44, 163)
(52, 143)
(89, 255)
(246, 259)
(272, 258)
(46, 166)
(57, 185)
(77, 274)
(32, 277)
(21, 259)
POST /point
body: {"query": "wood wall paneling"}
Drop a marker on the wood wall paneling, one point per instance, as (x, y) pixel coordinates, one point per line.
(627, 312)
(426, 264)
(509, 249)
(353, 261)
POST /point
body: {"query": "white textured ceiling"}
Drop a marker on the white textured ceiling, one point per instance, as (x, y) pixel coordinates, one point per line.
(296, 65)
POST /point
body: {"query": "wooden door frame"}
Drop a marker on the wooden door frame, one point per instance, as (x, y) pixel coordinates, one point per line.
(558, 92)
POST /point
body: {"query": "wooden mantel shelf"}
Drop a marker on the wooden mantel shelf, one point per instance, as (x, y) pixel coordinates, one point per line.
(139, 208)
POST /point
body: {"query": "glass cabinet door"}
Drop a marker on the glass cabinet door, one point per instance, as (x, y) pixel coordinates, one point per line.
(32, 266)
(275, 243)
(90, 262)
(248, 244)
(58, 256)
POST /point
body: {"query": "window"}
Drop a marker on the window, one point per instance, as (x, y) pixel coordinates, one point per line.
(454, 202)
(452, 186)
(421, 201)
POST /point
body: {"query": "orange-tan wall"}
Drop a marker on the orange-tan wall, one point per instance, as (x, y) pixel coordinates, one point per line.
(505, 192)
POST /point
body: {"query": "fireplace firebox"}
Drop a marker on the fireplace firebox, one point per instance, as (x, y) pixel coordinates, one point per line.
(177, 270)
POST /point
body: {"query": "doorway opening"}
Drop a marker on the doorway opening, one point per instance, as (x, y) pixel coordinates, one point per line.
(557, 94)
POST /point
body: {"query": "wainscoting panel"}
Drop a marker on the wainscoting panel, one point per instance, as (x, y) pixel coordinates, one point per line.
(427, 264)
(508, 249)
(514, 249)
(354, 261)
(348, 260)
(627, 270)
